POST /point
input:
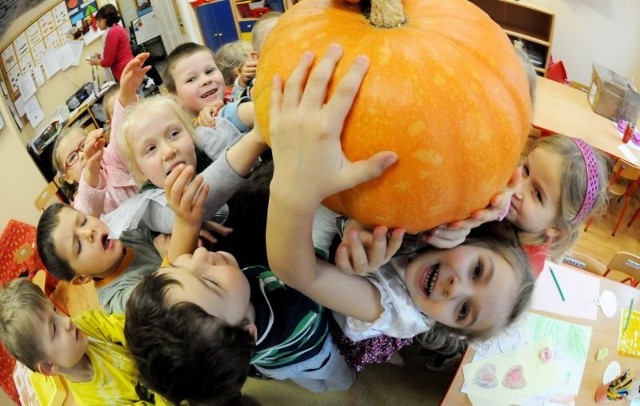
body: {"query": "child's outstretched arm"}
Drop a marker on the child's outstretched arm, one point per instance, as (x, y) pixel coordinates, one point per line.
(309, 166)
(131, 79)
(186, 198)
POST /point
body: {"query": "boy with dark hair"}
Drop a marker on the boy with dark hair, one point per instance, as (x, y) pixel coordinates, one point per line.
(194, 329)
(76, 247)
(88, 351)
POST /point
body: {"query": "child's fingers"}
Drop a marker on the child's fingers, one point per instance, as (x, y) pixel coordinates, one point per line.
(217, 227)
(342, 260)
(358, 252)
(366, 170)
(342, 99)
(190, 193)
(295, 84)
(315, 91)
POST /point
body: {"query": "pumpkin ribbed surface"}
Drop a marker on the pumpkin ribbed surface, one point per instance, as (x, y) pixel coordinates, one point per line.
(445, 91)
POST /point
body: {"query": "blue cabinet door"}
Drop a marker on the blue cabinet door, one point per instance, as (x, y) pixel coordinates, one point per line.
(217, 23)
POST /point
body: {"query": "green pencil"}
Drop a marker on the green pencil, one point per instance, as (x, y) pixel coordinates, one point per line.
(626, 324)
(553, 275)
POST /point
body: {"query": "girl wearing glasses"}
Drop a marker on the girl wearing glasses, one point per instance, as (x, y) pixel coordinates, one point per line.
(92, 174)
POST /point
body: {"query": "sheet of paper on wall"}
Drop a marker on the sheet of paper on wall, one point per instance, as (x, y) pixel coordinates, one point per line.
(38, 76)
(27, 87)
(19, 103)
(581, 292)
(515, 376)
(569, 343)
(50, 63)
(65, 56)
(76, 51)
(34, 111)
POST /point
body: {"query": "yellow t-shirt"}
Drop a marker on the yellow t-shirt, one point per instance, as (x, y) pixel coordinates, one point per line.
(116, 377)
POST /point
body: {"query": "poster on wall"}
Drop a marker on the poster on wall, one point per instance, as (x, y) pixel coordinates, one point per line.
(60, 14)
(21, 45)
(9, 57)
(47, 26)
(33, 34)
(80, 9)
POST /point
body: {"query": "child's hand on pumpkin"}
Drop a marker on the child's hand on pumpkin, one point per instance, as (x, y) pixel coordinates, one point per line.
(305, 132)
(207, 115)
(362, 252)
(131, 79)
(453, 234)
(93, 152)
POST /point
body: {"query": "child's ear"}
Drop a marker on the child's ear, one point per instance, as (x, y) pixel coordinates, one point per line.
(237, 70)
(254, 55)
(252, 329)
(81, 279)
(47, 368)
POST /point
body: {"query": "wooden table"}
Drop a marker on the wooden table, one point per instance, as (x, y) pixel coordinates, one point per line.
(604, 334)
(564, 110)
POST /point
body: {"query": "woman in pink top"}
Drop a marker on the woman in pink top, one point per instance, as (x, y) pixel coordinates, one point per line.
(117, 50)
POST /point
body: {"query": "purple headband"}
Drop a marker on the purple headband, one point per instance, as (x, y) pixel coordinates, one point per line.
(591, 166)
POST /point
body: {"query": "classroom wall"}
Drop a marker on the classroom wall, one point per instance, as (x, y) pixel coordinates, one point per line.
(606, 32)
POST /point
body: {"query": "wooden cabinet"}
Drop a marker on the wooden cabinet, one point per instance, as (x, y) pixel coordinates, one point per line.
(528, 23)
(217, 23)
(247, 12)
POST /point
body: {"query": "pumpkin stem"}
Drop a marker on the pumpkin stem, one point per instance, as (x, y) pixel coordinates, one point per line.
(387, 13)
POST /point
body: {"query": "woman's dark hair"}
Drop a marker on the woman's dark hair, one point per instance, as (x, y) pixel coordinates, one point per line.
(108, 13)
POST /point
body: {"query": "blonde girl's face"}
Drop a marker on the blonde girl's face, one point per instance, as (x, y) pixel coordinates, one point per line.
(198, 81)
(161, 143)
(466, 287)
(536, 202)
(71, 151)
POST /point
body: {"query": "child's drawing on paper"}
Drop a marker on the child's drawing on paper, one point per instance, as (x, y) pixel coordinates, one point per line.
(568, 348)
(521, 374)
(629, 337)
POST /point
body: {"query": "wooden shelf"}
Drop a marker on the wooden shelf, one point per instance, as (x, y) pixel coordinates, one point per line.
(529, 23)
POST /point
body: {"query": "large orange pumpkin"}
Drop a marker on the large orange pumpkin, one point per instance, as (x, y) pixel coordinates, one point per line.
(445, 91)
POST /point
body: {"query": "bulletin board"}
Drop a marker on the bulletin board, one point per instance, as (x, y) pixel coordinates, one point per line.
(25, 54)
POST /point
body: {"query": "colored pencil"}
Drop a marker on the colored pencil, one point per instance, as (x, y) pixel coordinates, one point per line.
(626, 323)
(553, 275)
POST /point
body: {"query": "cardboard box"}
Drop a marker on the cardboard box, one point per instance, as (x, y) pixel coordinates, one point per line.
(607, 91)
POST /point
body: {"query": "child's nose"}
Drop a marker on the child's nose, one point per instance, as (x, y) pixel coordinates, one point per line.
(87, 234)
(455, 288)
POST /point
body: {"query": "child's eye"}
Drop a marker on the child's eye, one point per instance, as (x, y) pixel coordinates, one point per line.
(525, 170)
(478, 270)
(464, 310)
(189, 80)
(210, 71)
(538, 195)
(149, 149)
(174, 133)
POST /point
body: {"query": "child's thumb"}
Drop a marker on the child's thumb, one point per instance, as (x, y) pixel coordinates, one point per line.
(373, 167)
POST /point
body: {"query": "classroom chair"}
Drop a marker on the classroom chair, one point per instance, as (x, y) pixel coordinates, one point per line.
(582, 261)
(48, 196)
(627, 263)
(624, 181)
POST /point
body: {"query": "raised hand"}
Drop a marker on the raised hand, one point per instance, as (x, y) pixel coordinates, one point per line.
(305, 131)
(186, 196)
(131, 79)
(93, 152)
(365, 251)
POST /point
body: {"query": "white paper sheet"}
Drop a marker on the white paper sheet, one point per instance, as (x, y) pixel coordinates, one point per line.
(19, 103)
(50, 63)
(38, 76)
(27, 87)
(581, 292)
(65, 56)
(628, 154)
(34, 111)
